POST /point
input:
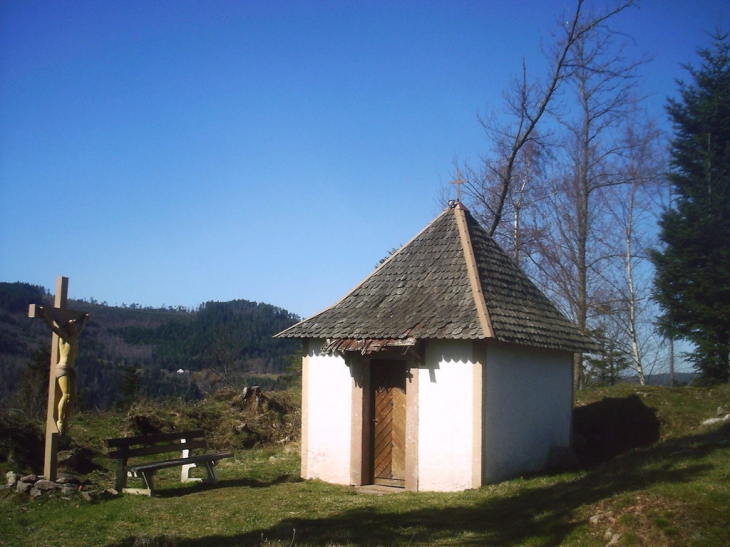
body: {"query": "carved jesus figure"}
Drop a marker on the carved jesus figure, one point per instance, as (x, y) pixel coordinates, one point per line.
(65, 372)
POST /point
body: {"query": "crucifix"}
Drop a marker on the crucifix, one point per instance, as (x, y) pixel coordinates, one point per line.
(66, 326)
(458, 182)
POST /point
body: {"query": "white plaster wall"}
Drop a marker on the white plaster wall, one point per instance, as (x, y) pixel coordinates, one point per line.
(329, 423)
(445, 422)
(528, 409)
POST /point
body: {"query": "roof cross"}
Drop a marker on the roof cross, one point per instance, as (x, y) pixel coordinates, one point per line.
(458, 182)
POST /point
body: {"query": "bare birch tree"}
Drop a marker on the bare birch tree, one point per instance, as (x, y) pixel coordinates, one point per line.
(491, 186)
(603, 83)
(560, 168)
(633, 208)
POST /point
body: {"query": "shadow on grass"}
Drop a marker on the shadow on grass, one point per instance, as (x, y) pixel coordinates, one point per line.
(534, 515)
(192, 488)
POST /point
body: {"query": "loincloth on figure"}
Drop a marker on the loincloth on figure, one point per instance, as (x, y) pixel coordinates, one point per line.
(64, 370)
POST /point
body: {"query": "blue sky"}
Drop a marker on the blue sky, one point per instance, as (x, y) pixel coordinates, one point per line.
(176, 152)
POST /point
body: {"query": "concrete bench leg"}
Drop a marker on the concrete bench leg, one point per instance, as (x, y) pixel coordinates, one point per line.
(147, 477)
(210, 468)
(185, 473)
(185, 470)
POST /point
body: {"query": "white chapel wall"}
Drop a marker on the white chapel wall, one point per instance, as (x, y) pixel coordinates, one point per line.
(528, 409)
(328, 422)
(445, 421)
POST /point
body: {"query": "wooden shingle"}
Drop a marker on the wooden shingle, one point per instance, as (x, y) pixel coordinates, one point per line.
(424, 291)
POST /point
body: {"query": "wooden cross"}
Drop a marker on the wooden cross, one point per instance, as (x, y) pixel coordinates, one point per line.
(458, 182)
(60, 316)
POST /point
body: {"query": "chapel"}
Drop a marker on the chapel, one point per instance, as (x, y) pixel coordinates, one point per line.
(444, 369)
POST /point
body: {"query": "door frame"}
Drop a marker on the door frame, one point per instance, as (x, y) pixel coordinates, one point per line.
(361, 468)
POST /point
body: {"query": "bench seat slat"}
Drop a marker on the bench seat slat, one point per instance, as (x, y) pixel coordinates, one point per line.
(180, 461)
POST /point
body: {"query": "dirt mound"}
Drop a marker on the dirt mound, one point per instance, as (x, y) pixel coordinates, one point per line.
(231, 418)
(612, 426)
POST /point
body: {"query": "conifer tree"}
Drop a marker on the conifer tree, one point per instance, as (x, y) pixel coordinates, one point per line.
(692, 281)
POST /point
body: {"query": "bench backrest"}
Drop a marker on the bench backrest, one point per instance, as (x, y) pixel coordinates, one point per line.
(161, 443)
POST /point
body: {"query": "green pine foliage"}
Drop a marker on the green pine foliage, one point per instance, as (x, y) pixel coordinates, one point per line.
(15, 297)
(693, 268)
(221, 334)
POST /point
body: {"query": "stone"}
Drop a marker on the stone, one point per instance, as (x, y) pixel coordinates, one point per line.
(12, 478)
(67, 486)
(713, 421)
(44, 485)
(595, 520)
(64, 478)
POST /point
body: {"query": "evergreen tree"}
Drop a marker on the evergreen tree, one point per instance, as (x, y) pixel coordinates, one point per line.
(692, 281)
(131, 386)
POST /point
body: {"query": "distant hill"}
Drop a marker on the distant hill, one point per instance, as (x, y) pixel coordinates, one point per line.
(680, 379)
(161, 352)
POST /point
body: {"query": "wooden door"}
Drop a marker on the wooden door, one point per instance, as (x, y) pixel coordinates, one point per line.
(389, 422)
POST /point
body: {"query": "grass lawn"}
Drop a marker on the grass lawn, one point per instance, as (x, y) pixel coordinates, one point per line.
(675, 492)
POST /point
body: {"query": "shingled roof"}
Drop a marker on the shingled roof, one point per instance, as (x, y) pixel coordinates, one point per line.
(451, 281)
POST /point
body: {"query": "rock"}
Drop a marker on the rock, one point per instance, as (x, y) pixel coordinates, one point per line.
(44, 485)
(12, 478)
(596, 519)
(712, 421)
(64, 478)
(67, 485)
(615, 538)
(107, 493)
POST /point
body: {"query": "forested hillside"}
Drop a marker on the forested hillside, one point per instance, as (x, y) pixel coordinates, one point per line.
(129, 352)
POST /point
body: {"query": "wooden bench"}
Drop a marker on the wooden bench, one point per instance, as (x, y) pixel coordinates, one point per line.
(183, 442)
